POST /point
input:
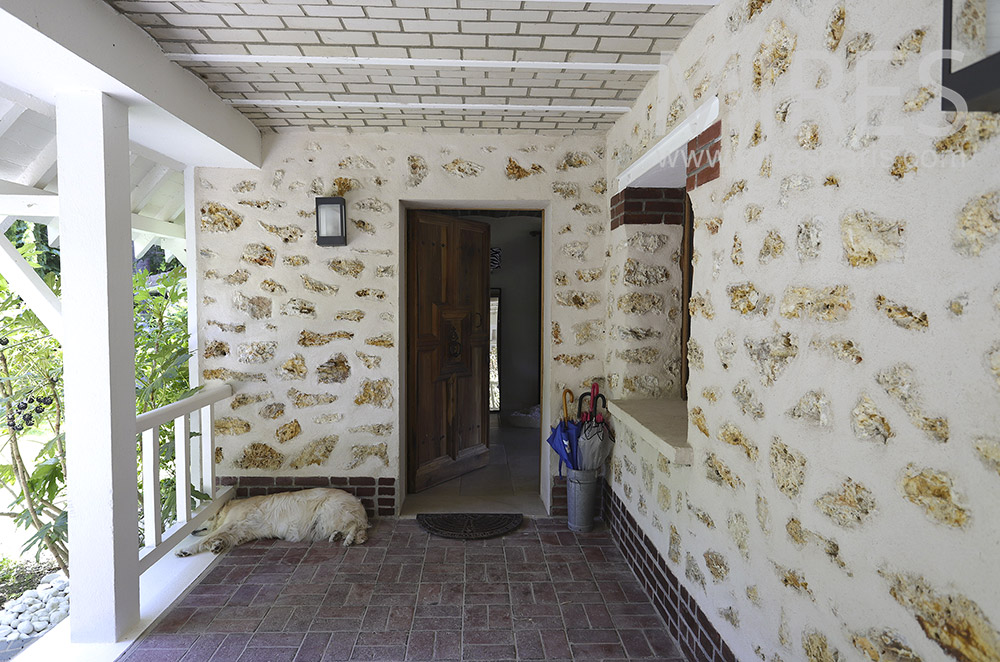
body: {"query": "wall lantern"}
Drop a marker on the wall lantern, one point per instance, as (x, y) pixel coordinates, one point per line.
(331, 222)
(972, 31)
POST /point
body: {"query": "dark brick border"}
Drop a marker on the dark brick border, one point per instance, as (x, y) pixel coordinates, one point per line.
(377, 494)
(704, 156)
(648, 206)
(559, 503)
(686, 622)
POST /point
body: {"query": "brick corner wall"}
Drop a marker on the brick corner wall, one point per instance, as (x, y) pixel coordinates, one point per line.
(647, 206)
(704, 157)
(378, 495)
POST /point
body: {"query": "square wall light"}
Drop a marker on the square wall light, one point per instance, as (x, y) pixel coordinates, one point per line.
(331, 222)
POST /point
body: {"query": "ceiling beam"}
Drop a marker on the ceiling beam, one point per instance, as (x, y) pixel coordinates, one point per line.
(144, 190)
(38, 296)
(423, 63)
(331, 103)
(52, 47)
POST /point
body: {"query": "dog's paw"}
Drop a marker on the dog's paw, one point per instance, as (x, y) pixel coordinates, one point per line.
(184, 552)
(217, 547)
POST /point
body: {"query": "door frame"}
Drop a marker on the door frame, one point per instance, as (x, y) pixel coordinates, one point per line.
(405, 206)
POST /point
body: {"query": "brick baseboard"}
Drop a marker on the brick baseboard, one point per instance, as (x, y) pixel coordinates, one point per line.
(377, 494)
(686, 622)
(559, 503)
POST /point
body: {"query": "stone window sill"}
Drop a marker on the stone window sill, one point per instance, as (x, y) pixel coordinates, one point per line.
(663, 424)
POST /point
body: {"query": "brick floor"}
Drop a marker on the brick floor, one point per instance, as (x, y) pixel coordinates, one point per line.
(541, 593)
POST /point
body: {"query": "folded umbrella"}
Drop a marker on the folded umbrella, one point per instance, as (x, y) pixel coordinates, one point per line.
(593, 444)
(563, 438)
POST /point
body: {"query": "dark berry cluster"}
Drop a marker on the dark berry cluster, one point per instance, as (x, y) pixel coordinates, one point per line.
(23, 413)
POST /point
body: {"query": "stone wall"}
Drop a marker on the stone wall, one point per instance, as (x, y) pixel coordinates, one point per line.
(311, 337)
(845, 400)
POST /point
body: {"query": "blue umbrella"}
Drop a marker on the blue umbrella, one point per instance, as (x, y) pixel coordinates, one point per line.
(563, 438)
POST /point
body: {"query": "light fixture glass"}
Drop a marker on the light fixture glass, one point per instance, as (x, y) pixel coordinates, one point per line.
(331, 222)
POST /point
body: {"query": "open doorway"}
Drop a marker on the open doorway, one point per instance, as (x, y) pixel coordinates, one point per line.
(508, 481)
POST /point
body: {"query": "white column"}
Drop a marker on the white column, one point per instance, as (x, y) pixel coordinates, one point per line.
(191, 217)
(99, 355)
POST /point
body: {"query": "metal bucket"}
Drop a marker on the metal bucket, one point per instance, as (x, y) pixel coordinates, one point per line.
(581, 497)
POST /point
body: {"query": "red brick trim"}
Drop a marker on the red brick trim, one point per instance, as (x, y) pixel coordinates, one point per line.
(704, 156)
(377, 494)
(647, 206)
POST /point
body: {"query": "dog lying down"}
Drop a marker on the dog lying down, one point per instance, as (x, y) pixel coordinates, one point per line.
(307, 515)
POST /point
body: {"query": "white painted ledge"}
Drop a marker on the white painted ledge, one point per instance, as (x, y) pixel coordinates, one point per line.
(663, 424)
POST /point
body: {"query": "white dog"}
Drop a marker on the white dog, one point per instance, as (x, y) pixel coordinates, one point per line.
(313, 515)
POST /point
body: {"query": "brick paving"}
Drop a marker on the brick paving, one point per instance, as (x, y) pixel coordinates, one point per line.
(541, 593)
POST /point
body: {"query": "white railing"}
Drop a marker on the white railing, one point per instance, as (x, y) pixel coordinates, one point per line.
(194, 464)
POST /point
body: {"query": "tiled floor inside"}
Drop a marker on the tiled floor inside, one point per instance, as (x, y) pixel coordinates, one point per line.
(508, 484)
(540, 593)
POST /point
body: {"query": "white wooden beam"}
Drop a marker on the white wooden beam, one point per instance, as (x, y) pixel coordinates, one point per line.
(40, 165)
(10, 113)
(175, 247)
(29, 286)
(86, 44)
(99, 356)
(144, 190)
(489, 107)
(35, 204)
(159, 228)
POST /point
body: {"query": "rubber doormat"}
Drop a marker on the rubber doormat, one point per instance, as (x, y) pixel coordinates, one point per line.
(470, 526)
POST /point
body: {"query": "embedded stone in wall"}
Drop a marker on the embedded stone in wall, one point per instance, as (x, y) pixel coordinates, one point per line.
(318, 286)
(774, 55)
(315, 453)
(463, 168)
(647, 242)
(808, 240)
(802, 536)
(793, 579)
(746, 300)
(574, 160)
(382, 340)
(566, 190)
(295, 260)
(385, 271)
(808, 136)
(227, 375)
(903, 164)
(842, 349)
(377, 393)
(813, 408)
(766, 167)
(788, 468)
(958, 305)
(988, 449)
(377, 429)
(647, 386)
(701, 304)
(260, 456)
(953, 622)
(293, 368)
(352, 268)
(884, 644)
(738, 188)
(578, 299)
(934, 492)
(736, 254)
(244, 399)
(696, 356)
(287, 233)
(674, 113)
(974, 130)
(238, 277)
(245, 186)
(418, 170)
(753, 595)
(272, 286)
(257, 352)
(576, 250)
(732, 435)
(739, 530)
(849, 507)
(711, 394)
(264, 205)
(355, 162)
(229, 425)
(835, 28)
(219, 455)
(296, 307)
(288, 431)
(772, 248)
(588, 331)
(259, 254)
(217, 218)
(915, 101)
(360, 453)
(302, 400)
(589, 275)
(272, 411)
(978, 225)
(255, 307)
(317, 187)
(644, 275)
(763, 514)
(772, 355)
(311, 339)
(586, 209)
(674, 551)
(641, 355)
(638, 303)
(516, 171)
(725, 345)
(370, 293)
(216, 348)
(717, 472)
(560, 279)
(557, 338)
(693, 572)
(716, 564)
(818, 649)
(334, 371)
(350, 315)
(748, 402)
(373, 205)
(899, 384)
(600, 186)
(863, 43)
(869, 239)
(565, 229)
(575, 360)
(364, 226)
(663, 497)
(636, 333)
(868, 422)
(901, 315)
(699, 514)
(821, 304)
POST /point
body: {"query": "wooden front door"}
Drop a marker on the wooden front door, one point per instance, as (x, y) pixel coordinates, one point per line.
(447, 347)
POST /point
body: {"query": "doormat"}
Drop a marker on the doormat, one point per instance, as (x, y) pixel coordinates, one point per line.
(470, 526)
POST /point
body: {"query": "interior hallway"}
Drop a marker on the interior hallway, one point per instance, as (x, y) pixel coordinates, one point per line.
(508, 484)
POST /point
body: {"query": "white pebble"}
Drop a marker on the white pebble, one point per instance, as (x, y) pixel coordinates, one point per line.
(25, 627)
(57, 616)
(17, 607)
(7, 617)
(13, 636)
(5, 630)
(29, 594)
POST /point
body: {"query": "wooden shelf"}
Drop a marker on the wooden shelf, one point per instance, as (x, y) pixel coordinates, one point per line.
(663, 424)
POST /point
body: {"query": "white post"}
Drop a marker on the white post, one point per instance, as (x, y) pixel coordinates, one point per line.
(99, 355)
(182, 466)
(151, 516)
(191, 217)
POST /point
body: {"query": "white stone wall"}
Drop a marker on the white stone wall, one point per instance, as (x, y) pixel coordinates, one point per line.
(845, 407)
(311, 336)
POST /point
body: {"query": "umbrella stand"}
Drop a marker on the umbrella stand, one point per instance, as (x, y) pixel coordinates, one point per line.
(589, 453)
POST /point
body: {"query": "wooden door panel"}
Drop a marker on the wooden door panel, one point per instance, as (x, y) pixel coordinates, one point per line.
(448, 283)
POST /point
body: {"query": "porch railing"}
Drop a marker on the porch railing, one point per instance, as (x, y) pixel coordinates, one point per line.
(194, 465)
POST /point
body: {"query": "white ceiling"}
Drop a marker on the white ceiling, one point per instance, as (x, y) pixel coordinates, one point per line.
(483, 65)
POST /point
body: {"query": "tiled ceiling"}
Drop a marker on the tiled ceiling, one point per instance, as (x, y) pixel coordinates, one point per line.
(468, 65)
